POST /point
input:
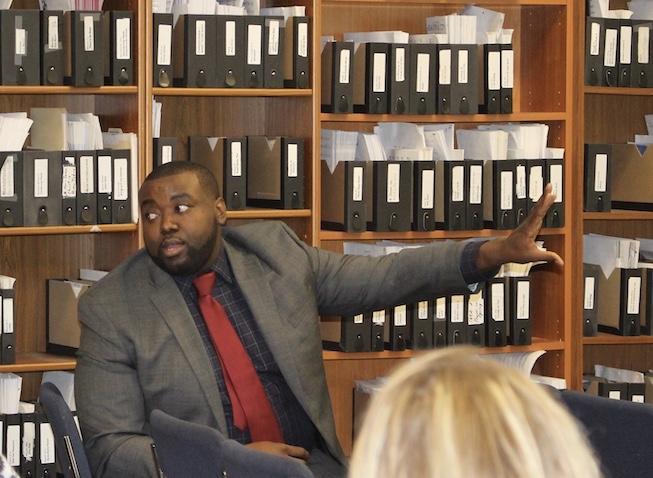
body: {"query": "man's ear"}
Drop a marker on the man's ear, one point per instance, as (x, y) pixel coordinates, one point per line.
(221, 211)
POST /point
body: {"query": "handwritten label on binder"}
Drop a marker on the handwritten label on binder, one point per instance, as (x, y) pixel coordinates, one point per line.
(200, 37)
(475, 184)
(7, 189)
(120, 179)
(345, 59)
(523, 300)
(494, 70)
(89, 33)
(236, 159)
(21, 42)
(643, 35)
(104, 183)
(394, 176)
(53, 32)
(164, 47)
(634, 290)
(422, 79)
(357, 193)
(444, 69)
(400, 65)
(400, 315)
(555, 172)
(69, 178)
(423, 310)
(230, 38)
(358, 319)
(254, 36)
(457, 309)
(86, 182)
(123, 39)
(302, 40)
(378, 69)
(463, 67)
(457, 183)
(601, 173)
(428, 188)
(441, 308)
(498, 302)
(273, 38)
(41, 178)
(506, 190)
(292, 160)
(588, 302)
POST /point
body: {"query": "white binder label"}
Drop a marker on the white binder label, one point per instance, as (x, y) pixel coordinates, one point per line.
(638, 398)
(535, 183)
(394, 176)
(41, 178)
(230, 39)
(344, 66)
(21, 41)
(46, 445)
(358, 319)
(595, 36)
(444, 70)
(53, 32)
(555, 172)
(7, 189)
(506, 190)
(292, 160)
(507, 68)
(441, 308)
(302, 40)
(357, 193)
(378, 68)
(423, 310)
(400, 315)
(601, 173)
(120, 180)
(69, 178)
(498, 302)
(520, 182)
(457, 183)
(457, 309)
(643, 34)
(164, 46)
(610, 52)
(29, 435)
(422, 85)
(378, 317)
(86, 183)
(588, 303)
(463, 67)
(104, 183)
(13, 445)
(494, 70)
(523, 300)
(200, 37)
(400, 65)
(254, 36)
(166, 154)
(634, 289)
(123, 39)
(428, 188)
(625, 44)
(614, 394)
(236, 159)
(8, 315)
(475, 184)
(475, 315)
(273, 38)
(89, 33)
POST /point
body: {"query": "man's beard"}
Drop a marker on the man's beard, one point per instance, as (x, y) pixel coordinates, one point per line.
(196, 257)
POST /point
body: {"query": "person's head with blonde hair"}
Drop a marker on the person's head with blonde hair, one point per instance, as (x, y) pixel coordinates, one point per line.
(453, 414)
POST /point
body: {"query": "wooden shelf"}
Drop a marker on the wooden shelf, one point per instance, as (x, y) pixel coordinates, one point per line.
(618, 215)
(68, 90)
(496, 3)
(233, 92)
(538, 344)
(268, 213)
(373, 235)
(54, 230)
(609, 90)
(612, 339)
(39, 362)
(479, 118)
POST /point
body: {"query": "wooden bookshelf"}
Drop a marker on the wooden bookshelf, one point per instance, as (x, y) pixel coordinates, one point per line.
(54, 230)
(611, 339)
(68, 90)
(233, 92)
(478, 118)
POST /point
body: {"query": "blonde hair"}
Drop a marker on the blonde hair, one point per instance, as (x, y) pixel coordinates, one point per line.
(453, 414)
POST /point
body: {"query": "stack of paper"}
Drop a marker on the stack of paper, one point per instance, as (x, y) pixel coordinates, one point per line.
(488, 23)
(251, 7)
(369, 148)
(10, 388)
(601, 9)
(162, 6)
(84, 132)
(610, 253)
(336, 146)
(490, 144)
(459, 29)
(14, 128)
(393, 36)
(285, 12)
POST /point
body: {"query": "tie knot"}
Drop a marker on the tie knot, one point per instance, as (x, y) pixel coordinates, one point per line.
(204, 283)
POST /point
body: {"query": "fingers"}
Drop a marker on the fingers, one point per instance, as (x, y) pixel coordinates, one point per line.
(544, 203)
(296, 452)
(553, 257)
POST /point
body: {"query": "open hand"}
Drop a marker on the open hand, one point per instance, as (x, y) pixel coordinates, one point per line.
(520, 245)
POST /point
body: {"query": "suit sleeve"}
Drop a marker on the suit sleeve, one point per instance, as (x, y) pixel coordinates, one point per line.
(110, 402)
(347, 284)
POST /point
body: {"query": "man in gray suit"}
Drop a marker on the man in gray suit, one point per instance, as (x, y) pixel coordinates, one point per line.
(146, 346)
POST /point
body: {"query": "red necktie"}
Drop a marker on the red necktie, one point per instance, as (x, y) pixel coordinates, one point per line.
(250, 405)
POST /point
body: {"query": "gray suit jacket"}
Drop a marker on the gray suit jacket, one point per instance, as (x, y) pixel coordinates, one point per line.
(140, 349)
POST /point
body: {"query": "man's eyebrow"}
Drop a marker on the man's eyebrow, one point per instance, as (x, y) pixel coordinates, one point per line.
(182, 196)
(147, 202)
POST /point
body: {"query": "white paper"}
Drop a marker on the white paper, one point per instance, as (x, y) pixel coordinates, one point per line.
(422, 77)
(302, 40)
(507, 68)
(506, 190)
(400, 65)
(400, 318)
(555, 172)
(441, 308)
(643, 34)
(588, 302)
(595, 35)
(89, 33)
(200, 37)
(120, 180)
(230, 39)
(41, 178)
(21, 41)
(610, 51)
(237, 159)
(273, 38)
(423, 310)
(393, 181)
(634, 291)
(463, 67)
(8, 315)
(475, 184)
(625, 44)
(292, 161)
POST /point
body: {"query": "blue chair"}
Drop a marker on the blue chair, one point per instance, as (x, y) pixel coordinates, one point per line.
(188, 449)
(68, 442)
(621, 432)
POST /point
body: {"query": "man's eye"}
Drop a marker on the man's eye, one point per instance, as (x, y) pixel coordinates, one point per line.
(150, 216)
(182, 208)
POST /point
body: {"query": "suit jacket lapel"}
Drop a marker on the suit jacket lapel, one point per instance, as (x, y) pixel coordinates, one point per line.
(171, 305)
(256, 288)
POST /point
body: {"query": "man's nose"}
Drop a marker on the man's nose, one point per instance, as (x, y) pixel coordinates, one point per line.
(168, 223)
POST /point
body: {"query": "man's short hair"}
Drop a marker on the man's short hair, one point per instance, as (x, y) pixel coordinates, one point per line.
(204, 175)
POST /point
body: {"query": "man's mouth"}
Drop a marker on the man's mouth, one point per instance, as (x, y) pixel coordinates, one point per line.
(172, 247)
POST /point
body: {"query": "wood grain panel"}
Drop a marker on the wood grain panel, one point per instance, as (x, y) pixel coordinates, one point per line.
(632, 356)
(615, 119)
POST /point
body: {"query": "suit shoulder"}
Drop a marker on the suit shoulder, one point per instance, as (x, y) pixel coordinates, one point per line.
(127, 275)
(259, 232)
